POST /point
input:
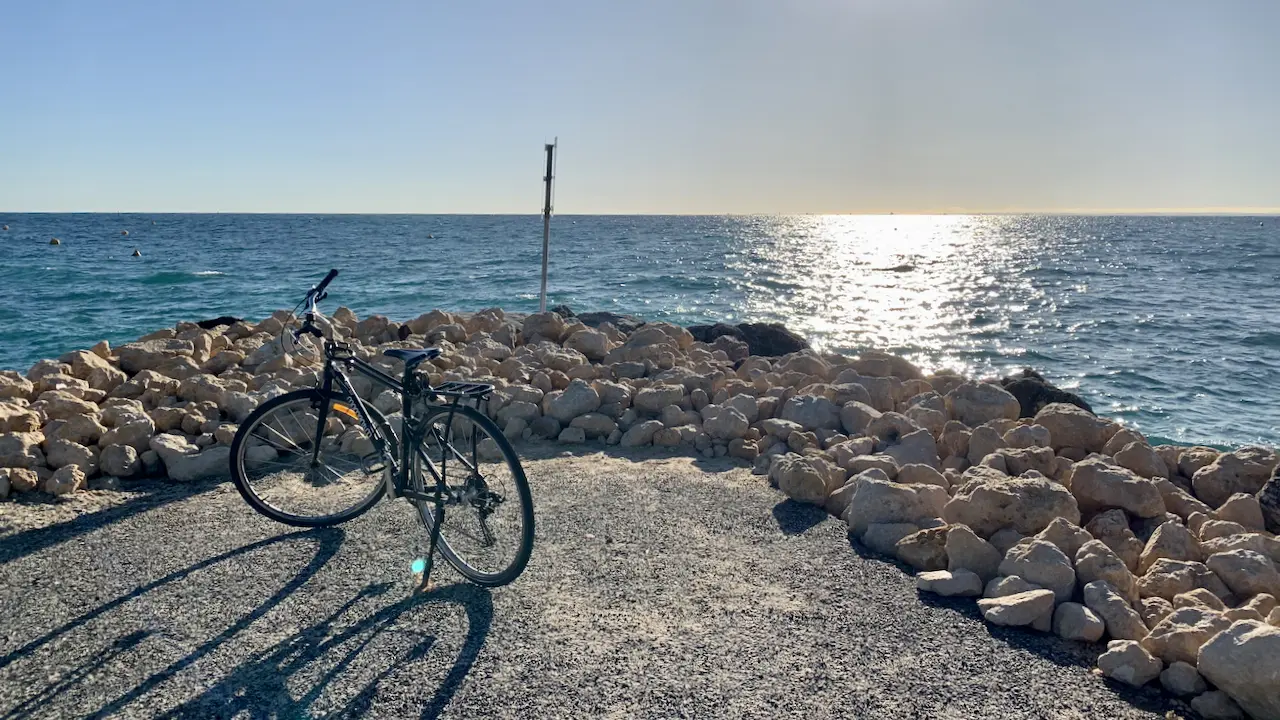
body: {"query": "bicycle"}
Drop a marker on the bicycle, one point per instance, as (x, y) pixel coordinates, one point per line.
(322, 456)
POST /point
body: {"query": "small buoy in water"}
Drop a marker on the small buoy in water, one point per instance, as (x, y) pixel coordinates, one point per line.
(55, 241)
(6, 228)
(433, 237)
(136, 253)
(153, 222)
(124, 232)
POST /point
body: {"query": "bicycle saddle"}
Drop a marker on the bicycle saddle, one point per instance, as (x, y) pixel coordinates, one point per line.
(412, 357)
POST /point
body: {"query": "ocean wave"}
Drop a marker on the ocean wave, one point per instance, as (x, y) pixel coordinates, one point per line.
(1262, 339)
(178, 277)
(1216, 445)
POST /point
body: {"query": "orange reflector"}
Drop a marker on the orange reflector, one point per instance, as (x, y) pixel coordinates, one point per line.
(339, 407)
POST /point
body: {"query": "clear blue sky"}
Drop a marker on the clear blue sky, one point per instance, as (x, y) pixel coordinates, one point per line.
(677, 106)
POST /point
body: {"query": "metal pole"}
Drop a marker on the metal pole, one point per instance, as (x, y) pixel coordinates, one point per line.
(546, 228)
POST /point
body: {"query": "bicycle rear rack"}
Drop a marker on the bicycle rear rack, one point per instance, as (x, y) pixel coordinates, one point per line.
(463, 390)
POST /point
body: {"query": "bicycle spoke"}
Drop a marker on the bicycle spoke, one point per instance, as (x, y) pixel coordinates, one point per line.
(454, 452)
(284, 437)
(301, 430)
(315, 481)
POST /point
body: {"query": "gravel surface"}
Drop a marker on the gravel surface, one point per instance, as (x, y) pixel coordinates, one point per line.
(659, 587)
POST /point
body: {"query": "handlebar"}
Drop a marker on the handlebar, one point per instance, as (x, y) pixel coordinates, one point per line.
(314, 295)
(318, 291)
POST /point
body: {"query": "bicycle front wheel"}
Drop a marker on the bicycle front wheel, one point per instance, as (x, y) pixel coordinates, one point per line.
(486, 515)
(305, 459)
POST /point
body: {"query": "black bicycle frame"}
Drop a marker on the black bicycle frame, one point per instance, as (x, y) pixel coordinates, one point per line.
(409, 391)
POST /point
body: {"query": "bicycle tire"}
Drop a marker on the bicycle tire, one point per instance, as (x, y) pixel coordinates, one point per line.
(426, 509)
(252, 496)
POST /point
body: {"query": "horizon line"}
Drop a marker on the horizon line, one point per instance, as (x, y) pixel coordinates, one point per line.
(1100, 212)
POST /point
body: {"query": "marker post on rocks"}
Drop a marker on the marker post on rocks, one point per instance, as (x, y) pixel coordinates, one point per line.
(546, 222)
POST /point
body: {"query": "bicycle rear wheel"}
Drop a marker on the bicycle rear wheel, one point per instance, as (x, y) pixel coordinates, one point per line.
(486, 518)
(283, 473)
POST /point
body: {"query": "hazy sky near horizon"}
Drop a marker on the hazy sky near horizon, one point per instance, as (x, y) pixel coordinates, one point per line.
(679, 106)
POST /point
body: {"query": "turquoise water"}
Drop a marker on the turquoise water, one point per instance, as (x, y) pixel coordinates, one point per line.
(1166, 323)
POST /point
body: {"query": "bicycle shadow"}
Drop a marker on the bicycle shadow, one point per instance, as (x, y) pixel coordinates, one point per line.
(259, 686)
(150, 495)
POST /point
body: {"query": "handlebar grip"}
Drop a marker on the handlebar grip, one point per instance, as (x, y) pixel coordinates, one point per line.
(325, 282)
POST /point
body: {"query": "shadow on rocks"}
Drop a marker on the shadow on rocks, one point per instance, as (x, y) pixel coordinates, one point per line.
(796, 518)
(718, 465)
(867, 553)
(150, 494)
(1046, 645)
(1064, 653)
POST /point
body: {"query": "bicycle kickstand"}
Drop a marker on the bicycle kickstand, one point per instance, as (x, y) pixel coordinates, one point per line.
(429, 561)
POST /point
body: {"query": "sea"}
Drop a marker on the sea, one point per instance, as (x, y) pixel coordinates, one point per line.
(1170, 325)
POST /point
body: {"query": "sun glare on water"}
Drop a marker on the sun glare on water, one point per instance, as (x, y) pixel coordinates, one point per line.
(903, 283)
